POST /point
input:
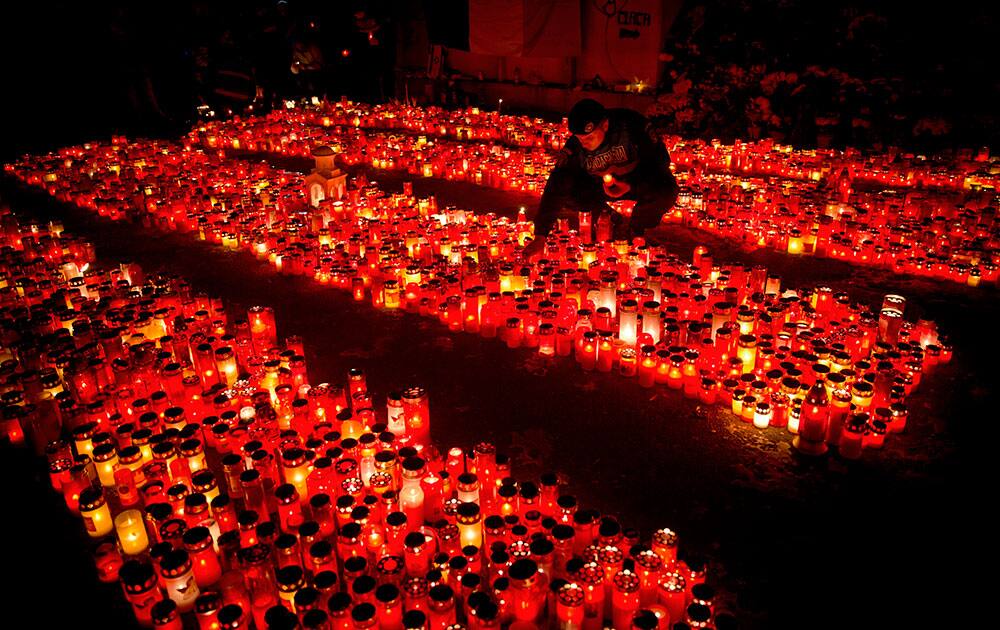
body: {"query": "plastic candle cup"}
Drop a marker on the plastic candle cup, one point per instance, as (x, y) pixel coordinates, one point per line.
(851, 437)
(141, 586)
(875, 432)
(673, 594)
(411, 496)
(664, 544)
(590, 576)
(605, 352)
(416, 412)
(389, 605)
(628, 322)
(587, 350)
(526, 590)
(106, 460)
(762, 415)
(569, 607)
(648, 566)
(624, 598)
(470, 525)
(131, 530)
(747, 352)
(166, 616)
(290, 580)
(225, 364)
(178, 578)
(204, 559)
(813, 420)
(295, 470)
(96, 513)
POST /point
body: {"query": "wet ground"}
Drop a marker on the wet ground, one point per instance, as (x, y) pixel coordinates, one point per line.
(890, 540)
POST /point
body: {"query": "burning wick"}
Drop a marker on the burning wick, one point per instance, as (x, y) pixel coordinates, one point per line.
(609, 178)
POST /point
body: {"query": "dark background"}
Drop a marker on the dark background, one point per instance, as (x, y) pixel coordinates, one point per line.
(880, 73)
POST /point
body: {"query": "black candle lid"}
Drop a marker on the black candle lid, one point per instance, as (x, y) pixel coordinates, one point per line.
(523, 569)
(414, 620)
(91, 498)
(441, 593)
(387, 593)
(308, 529)
(645, 620)
(414, 539)
(476, 599)
(208, 602)
(315, 619)
(471, 580)
(702, 591)
(609, 528)
(363, 612)
(363, 584)
(355, 564)
(160, 511)
(280, 618)
(175, 563)
(289, 575)
(699, 613)
(163, 611)
(305, 598)
(136, 576)
(266, 530)
(396, 519)
(529, 490)
(325, 580)
(230, 614)
(541, 546)
(339, 602)
(487, 610)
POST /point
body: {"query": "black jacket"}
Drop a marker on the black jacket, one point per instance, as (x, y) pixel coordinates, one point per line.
(631, 150)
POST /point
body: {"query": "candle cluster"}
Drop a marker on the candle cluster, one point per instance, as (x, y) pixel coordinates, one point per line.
(807, 361)
(460, 124)
(222, 489)
(932, 218)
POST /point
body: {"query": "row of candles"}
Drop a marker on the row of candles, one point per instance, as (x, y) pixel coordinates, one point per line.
(757, 194)
(222, 490)
(963, 169)
(808, 361)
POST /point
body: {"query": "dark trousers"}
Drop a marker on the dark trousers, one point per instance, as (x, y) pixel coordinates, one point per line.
(574, 190)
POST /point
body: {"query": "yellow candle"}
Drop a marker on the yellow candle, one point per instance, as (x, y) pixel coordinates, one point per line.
(106, 460)
(470, 525)
(96, 513)
(131, 532)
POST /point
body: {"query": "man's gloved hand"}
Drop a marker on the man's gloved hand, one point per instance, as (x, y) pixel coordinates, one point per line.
(534, 249)
(615, 188)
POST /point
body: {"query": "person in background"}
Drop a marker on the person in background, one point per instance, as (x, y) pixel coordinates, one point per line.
(614, 154)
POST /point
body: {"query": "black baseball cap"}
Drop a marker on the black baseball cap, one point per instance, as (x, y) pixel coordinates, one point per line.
(586, 115)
